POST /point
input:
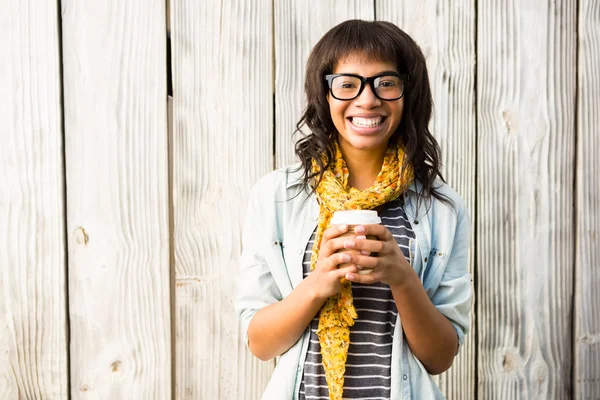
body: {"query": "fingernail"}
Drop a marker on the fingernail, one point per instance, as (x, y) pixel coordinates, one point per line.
(359, 229)
(359, 267)
(365, 253)
(345, 257)
(349, 276)
(342, 227)
(348, 244)
(361, 237)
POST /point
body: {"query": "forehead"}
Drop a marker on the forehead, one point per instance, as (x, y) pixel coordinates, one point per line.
(363, 64)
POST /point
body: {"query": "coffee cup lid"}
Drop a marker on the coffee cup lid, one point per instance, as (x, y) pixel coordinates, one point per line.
(355, 217)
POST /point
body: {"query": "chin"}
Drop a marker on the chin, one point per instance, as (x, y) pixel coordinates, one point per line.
(367, 143)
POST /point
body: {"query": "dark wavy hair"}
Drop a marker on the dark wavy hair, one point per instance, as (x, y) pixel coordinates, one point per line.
(380, 41)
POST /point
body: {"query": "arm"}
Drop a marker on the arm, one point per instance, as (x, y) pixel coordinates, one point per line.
(276, 327)
(427, 322)
(430, 335)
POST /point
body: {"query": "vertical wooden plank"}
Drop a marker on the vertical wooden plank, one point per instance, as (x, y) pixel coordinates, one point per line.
(117, 198)
(223, 142)
(33, 324)
(587, 253)
(445, 31)
(298, 27)
(526, 99)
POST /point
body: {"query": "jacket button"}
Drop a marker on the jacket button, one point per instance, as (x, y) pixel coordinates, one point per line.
(405, 377)
(416, 222)
(425, 259)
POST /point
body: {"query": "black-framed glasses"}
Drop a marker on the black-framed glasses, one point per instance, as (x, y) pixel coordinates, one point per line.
(386, 86)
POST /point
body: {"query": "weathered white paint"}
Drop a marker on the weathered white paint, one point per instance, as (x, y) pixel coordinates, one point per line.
(526, 142)
(117, 200)
(587, 251)
(298, 27)
(117, 181)
(223, 142)
(33, 326)
(445, 31)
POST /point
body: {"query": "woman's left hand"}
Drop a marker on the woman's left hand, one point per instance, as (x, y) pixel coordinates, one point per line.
(389, 265)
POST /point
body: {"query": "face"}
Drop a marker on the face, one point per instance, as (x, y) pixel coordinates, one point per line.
(366, 123)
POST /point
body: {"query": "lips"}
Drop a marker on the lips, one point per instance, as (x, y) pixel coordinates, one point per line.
(363, 122)
(367, 124)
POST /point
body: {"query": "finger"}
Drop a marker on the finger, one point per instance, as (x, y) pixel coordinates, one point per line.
(380, 231)
(342, 272)
(334, 245)
(332, 262)
(372, 246)
(334, 231)
(365, 262)
(332, 241)
(367, 279)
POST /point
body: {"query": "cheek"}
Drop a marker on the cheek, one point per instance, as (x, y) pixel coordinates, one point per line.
(337, 112)
(398, 112)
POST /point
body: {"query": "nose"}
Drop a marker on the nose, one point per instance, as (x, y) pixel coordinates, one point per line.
(367, 98)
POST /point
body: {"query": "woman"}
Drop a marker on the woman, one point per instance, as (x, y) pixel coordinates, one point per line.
(337, 332)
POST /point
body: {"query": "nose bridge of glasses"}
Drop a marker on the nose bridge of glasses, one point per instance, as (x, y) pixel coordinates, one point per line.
(370, 83)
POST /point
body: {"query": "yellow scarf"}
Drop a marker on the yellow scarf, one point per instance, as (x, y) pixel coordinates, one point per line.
(334, 194)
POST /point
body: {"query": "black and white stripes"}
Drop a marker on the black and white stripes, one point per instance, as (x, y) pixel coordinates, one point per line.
(369, 355)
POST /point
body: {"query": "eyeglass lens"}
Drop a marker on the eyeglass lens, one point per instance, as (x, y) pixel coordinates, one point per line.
(386, 87)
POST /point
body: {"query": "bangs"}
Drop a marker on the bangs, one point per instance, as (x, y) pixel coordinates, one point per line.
(369, 41)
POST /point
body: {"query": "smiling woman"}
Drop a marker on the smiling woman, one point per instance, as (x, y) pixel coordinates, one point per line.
(364, 121)
(376, 47)
(340, 333)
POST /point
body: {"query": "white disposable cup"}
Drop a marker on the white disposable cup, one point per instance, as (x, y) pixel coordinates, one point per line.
(353, 218)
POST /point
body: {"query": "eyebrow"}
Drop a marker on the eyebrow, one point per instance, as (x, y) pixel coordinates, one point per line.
(377, 74)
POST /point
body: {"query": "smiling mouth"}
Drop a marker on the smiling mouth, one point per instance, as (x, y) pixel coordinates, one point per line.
(367, 122)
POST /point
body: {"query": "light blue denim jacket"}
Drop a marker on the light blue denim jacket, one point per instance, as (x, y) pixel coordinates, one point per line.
(279, 222)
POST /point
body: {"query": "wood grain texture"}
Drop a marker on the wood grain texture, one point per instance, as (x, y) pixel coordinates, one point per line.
(445, 31)
(33, 321)
(223, 142)
(587, 307)
(298, 27)
(117, 199)
(526, 117)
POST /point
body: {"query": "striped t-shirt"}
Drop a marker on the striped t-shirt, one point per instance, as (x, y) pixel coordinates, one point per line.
(369, 356)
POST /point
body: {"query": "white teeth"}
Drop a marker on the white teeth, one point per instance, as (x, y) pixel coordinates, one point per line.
(367, 122)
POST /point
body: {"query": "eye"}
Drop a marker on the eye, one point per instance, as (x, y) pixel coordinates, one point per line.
(388, 83)
(347, 85)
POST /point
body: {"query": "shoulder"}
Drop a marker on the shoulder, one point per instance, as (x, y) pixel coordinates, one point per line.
(280, 180)
(444, 189)
(282, 183)
(447, 213)
(451, 218)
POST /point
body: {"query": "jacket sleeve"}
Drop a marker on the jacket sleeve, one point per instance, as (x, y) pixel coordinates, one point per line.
(256, 286)
(454, 294)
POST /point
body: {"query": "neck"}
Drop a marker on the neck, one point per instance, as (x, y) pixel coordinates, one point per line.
(363, 166)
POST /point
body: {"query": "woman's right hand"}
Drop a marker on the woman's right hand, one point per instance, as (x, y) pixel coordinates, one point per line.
(332, 264)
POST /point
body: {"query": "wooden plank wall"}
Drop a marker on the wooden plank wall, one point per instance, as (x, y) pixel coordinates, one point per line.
(587, 251)
(222, 143)
(119, 257)
(33, 311)
(117, 199)
(526, 146)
